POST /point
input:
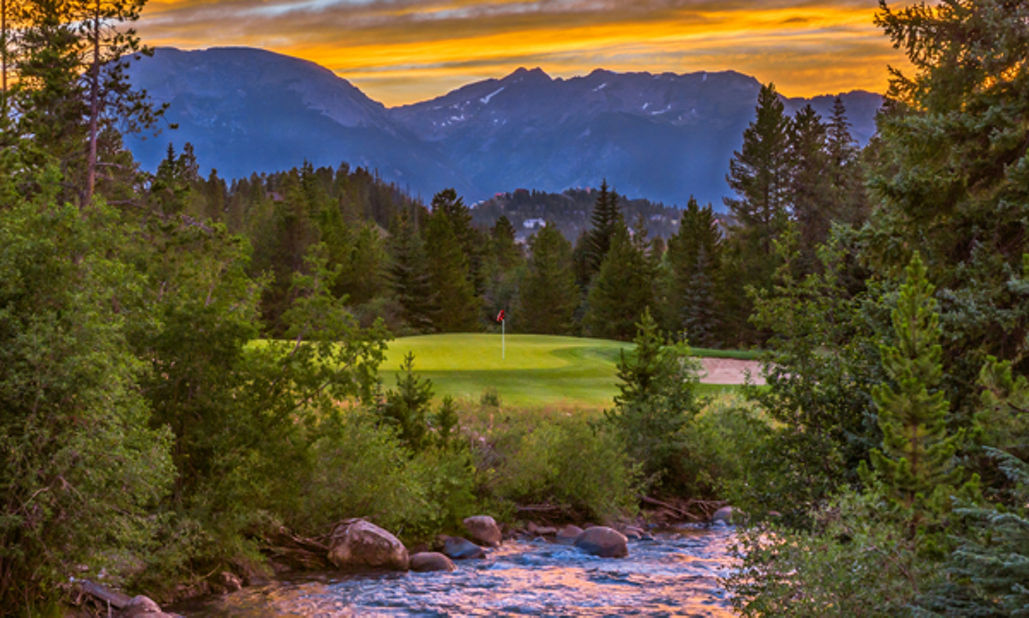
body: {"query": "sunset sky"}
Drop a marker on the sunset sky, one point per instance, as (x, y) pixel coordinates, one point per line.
(401, 51)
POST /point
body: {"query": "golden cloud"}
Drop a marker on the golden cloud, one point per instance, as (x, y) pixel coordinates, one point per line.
(399, 51)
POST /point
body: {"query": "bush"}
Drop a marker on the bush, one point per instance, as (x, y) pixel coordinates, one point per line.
(570, 463)
(856, 561)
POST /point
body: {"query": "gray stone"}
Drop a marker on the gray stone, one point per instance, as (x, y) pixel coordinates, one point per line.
(484, 530)
(727, 515)
(357, 544)
(431, 561)
(603, 541)
(462, 549)
(230, 582)
(537, 530)
(142, 606)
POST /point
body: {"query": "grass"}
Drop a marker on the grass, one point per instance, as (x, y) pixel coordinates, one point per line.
(537, 370)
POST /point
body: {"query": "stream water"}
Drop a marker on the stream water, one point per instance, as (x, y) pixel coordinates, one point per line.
(674, 574)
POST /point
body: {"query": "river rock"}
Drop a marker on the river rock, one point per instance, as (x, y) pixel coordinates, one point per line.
(230, 582)
(357, 543)
(726, 515)
(634, 533)
(142, 606)
(484, 530)
(568, 534)
(462, 549)
(603, 541)
(431, 561)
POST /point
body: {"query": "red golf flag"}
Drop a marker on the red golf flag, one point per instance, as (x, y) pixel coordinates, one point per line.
(500, 316)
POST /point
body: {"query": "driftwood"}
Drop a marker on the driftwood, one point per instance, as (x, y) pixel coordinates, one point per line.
(689, 508)
(297, 552)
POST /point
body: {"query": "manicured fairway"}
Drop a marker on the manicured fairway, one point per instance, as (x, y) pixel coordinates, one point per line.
(537, 370)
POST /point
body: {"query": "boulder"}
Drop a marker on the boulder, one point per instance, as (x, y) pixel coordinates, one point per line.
(484, 530)
(726, 515)
(431, 561)
(568, 534)
(357, 544)
(462, 549)
(603, 541)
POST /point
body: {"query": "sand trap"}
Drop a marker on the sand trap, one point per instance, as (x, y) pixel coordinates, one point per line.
(730, 371)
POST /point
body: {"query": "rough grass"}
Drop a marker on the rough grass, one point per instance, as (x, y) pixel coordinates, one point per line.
(537, 370)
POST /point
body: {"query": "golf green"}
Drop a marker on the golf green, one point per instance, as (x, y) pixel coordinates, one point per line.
(531, 370)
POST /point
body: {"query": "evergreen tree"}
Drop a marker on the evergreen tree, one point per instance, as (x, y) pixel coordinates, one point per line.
(811, 192)
(549, 295)
(409, 275)
(916, 462)
(449, 277)
(759, 174)
(846, 176)
(622, 289)
(447, 204)
(655, 402)
(691, 275)
(952, 180)
(407, 406)
(604, 222)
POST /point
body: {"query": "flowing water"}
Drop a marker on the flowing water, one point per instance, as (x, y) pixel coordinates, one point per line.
(674, 574)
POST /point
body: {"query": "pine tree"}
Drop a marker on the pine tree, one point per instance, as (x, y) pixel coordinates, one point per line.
(811, 193)
(916, 462)
(604, 221)
(450, 277)
(549, 295)
(759, 174)
(691, 274)
(409, 275)
(846, 176)
(407, 406)
(620, 292)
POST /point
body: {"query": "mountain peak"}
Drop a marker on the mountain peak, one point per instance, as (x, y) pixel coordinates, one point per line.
(523, 73)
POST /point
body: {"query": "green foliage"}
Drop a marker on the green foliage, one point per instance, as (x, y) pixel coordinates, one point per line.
(623, 287)
(604, 223)
(407, 406)
(450, 275)
(409, 276)
(656, 402)
(691, 266)
(821, 367)
(549, 295)
(854, 562)
(80, 467)
(570, 463)
(916, 462)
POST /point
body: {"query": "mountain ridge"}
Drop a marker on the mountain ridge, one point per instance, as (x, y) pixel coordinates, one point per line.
(661, 136)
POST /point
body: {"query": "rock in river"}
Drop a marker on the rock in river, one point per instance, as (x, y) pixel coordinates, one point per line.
(462, 549)
(568, 534)
(483, 529)
(603, 541)
(431, 561)
(359, 544)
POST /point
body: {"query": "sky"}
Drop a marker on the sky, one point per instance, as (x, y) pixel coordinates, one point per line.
(403, 51)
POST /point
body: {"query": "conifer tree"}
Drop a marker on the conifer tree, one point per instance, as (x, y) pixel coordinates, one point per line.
(604, 222)
(549, 295)
(845, 172)
(622, 289)
(691, 273)
(916, 462)
(811, 193)
(406, 407)
(409, 275)
(449, 277)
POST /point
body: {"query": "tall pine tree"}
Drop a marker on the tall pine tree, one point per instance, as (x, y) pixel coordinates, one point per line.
(549, 295)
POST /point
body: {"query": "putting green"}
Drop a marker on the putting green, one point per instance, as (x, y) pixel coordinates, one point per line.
(536, 370)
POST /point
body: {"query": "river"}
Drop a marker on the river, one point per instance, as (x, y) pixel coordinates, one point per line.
(673, 574)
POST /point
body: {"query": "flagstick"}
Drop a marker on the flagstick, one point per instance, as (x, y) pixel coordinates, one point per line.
(503, 342)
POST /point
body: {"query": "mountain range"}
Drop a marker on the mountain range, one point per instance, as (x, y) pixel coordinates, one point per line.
(659, 136)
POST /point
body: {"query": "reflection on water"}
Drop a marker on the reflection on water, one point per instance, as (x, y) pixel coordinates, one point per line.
(674, 574)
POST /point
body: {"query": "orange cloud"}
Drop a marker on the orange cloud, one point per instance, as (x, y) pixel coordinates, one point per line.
(400, 51)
